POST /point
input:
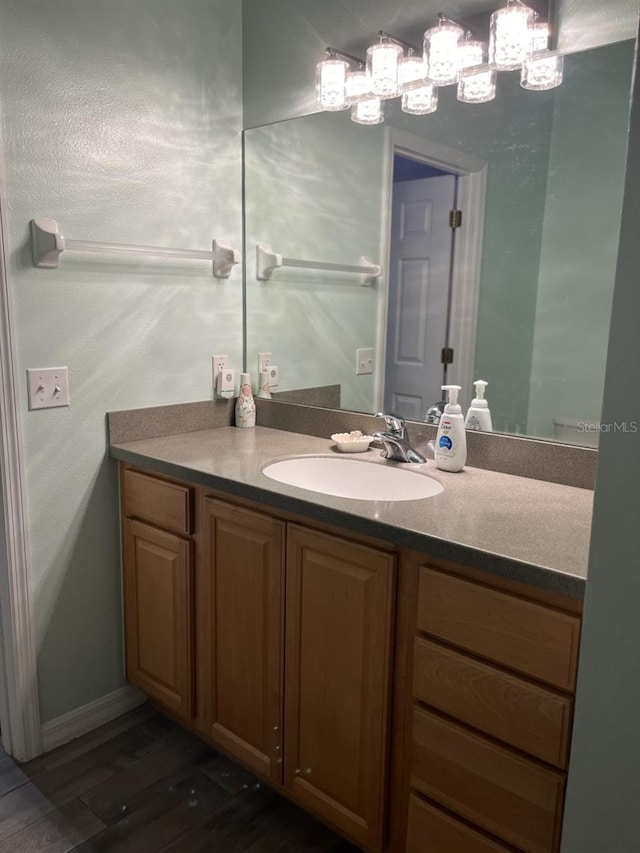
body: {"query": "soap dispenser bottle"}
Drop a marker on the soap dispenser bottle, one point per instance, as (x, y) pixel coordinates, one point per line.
(479, 416)
(451, 441)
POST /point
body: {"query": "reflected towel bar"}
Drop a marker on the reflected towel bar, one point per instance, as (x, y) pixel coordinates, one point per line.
(267, 261)
(48, 244)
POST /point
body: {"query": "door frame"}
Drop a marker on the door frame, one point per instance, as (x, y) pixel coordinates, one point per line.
(467, 257)
(19, 702)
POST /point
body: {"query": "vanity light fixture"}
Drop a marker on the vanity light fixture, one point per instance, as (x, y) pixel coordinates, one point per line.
(419, 95)
(477, 81)
(511, 36)
(331, 79)
(543, 70)
(441, 51)
(365, 108)
(342, 81)
(518, 41)
(382, 66)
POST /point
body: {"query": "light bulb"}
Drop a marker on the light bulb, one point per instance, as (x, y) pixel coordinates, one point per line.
(331, 75)
(441, 52)
(510, 43)
(421, 101)
(382, 66)
(542, 74)
(477, 83)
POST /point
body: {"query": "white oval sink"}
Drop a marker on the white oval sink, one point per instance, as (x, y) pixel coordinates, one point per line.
(351, 478)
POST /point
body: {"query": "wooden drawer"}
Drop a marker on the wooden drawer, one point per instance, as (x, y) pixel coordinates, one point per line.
(509, 796)
(508, 630)
(517, 712)
(515, 799)
(433, 831)
(157, 501)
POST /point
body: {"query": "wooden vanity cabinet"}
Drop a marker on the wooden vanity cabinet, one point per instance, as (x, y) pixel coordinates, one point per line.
(243, 633)
(338, 652)
(158, 568)
(416, 708)
(295, 640)
(490, 715)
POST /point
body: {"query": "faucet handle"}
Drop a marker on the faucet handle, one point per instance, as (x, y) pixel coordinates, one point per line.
(394, 422)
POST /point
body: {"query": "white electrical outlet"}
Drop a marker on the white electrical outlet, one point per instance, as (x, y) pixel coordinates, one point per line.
(274, 379)
(218, 364)
(264, 361)
(364, 360)
(48, 387)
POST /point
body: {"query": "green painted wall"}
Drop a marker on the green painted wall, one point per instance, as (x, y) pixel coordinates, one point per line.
(583, 209)
(122, 121)
(314, 190)
(602, 814)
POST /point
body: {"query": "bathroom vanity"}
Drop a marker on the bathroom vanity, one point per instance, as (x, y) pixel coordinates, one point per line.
(374, 662)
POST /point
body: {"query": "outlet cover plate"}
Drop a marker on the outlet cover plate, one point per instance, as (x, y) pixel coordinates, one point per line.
(218, 364)
(48, 387)
(264, 361)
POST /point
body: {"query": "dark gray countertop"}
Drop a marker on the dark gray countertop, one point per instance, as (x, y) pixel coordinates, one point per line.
(527, 530)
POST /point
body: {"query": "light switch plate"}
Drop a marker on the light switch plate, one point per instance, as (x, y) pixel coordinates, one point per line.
(48, 387)
(364, 360)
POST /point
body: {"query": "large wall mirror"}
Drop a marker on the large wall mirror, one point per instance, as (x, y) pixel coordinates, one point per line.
(520, 292)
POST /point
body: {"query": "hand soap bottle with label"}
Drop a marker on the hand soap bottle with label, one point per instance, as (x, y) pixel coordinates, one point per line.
(451, 441)
(479, 416)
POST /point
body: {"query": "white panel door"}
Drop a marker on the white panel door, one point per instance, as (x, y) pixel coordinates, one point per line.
(419, 276)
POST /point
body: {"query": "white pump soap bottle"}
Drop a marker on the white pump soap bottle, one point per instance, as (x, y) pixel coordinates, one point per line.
(451, 441)
(479, 416)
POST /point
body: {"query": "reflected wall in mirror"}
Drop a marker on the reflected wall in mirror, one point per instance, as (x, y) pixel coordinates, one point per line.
(521, 292)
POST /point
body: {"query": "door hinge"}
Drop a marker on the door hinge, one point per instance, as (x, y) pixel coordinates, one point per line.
(447, 355)
(455, 219)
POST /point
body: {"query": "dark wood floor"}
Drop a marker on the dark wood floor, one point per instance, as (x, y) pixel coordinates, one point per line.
(142, 784)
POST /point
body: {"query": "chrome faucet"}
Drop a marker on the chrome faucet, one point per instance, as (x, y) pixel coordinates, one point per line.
(396, 441)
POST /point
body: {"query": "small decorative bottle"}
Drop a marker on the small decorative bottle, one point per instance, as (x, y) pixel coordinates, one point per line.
(263, 385)
(245, 404)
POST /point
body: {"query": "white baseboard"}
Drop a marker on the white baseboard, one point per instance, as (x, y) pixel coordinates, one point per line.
(89, 717)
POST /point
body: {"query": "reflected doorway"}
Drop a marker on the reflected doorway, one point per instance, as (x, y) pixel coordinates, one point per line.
(423, 233)
(429, 308)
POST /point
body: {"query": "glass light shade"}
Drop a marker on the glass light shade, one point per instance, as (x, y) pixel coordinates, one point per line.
(510, 43)
(441, 55)
(542, 74)
(358, 86)
(471, 53)
(382, 66)
(331, 75)
(411, 70)
(368, 112)
(420, 102)
(477, 86)
(540, 37)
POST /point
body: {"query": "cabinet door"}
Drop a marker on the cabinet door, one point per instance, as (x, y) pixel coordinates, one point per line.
(158, 603)
(246, 560)
(338, 648)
